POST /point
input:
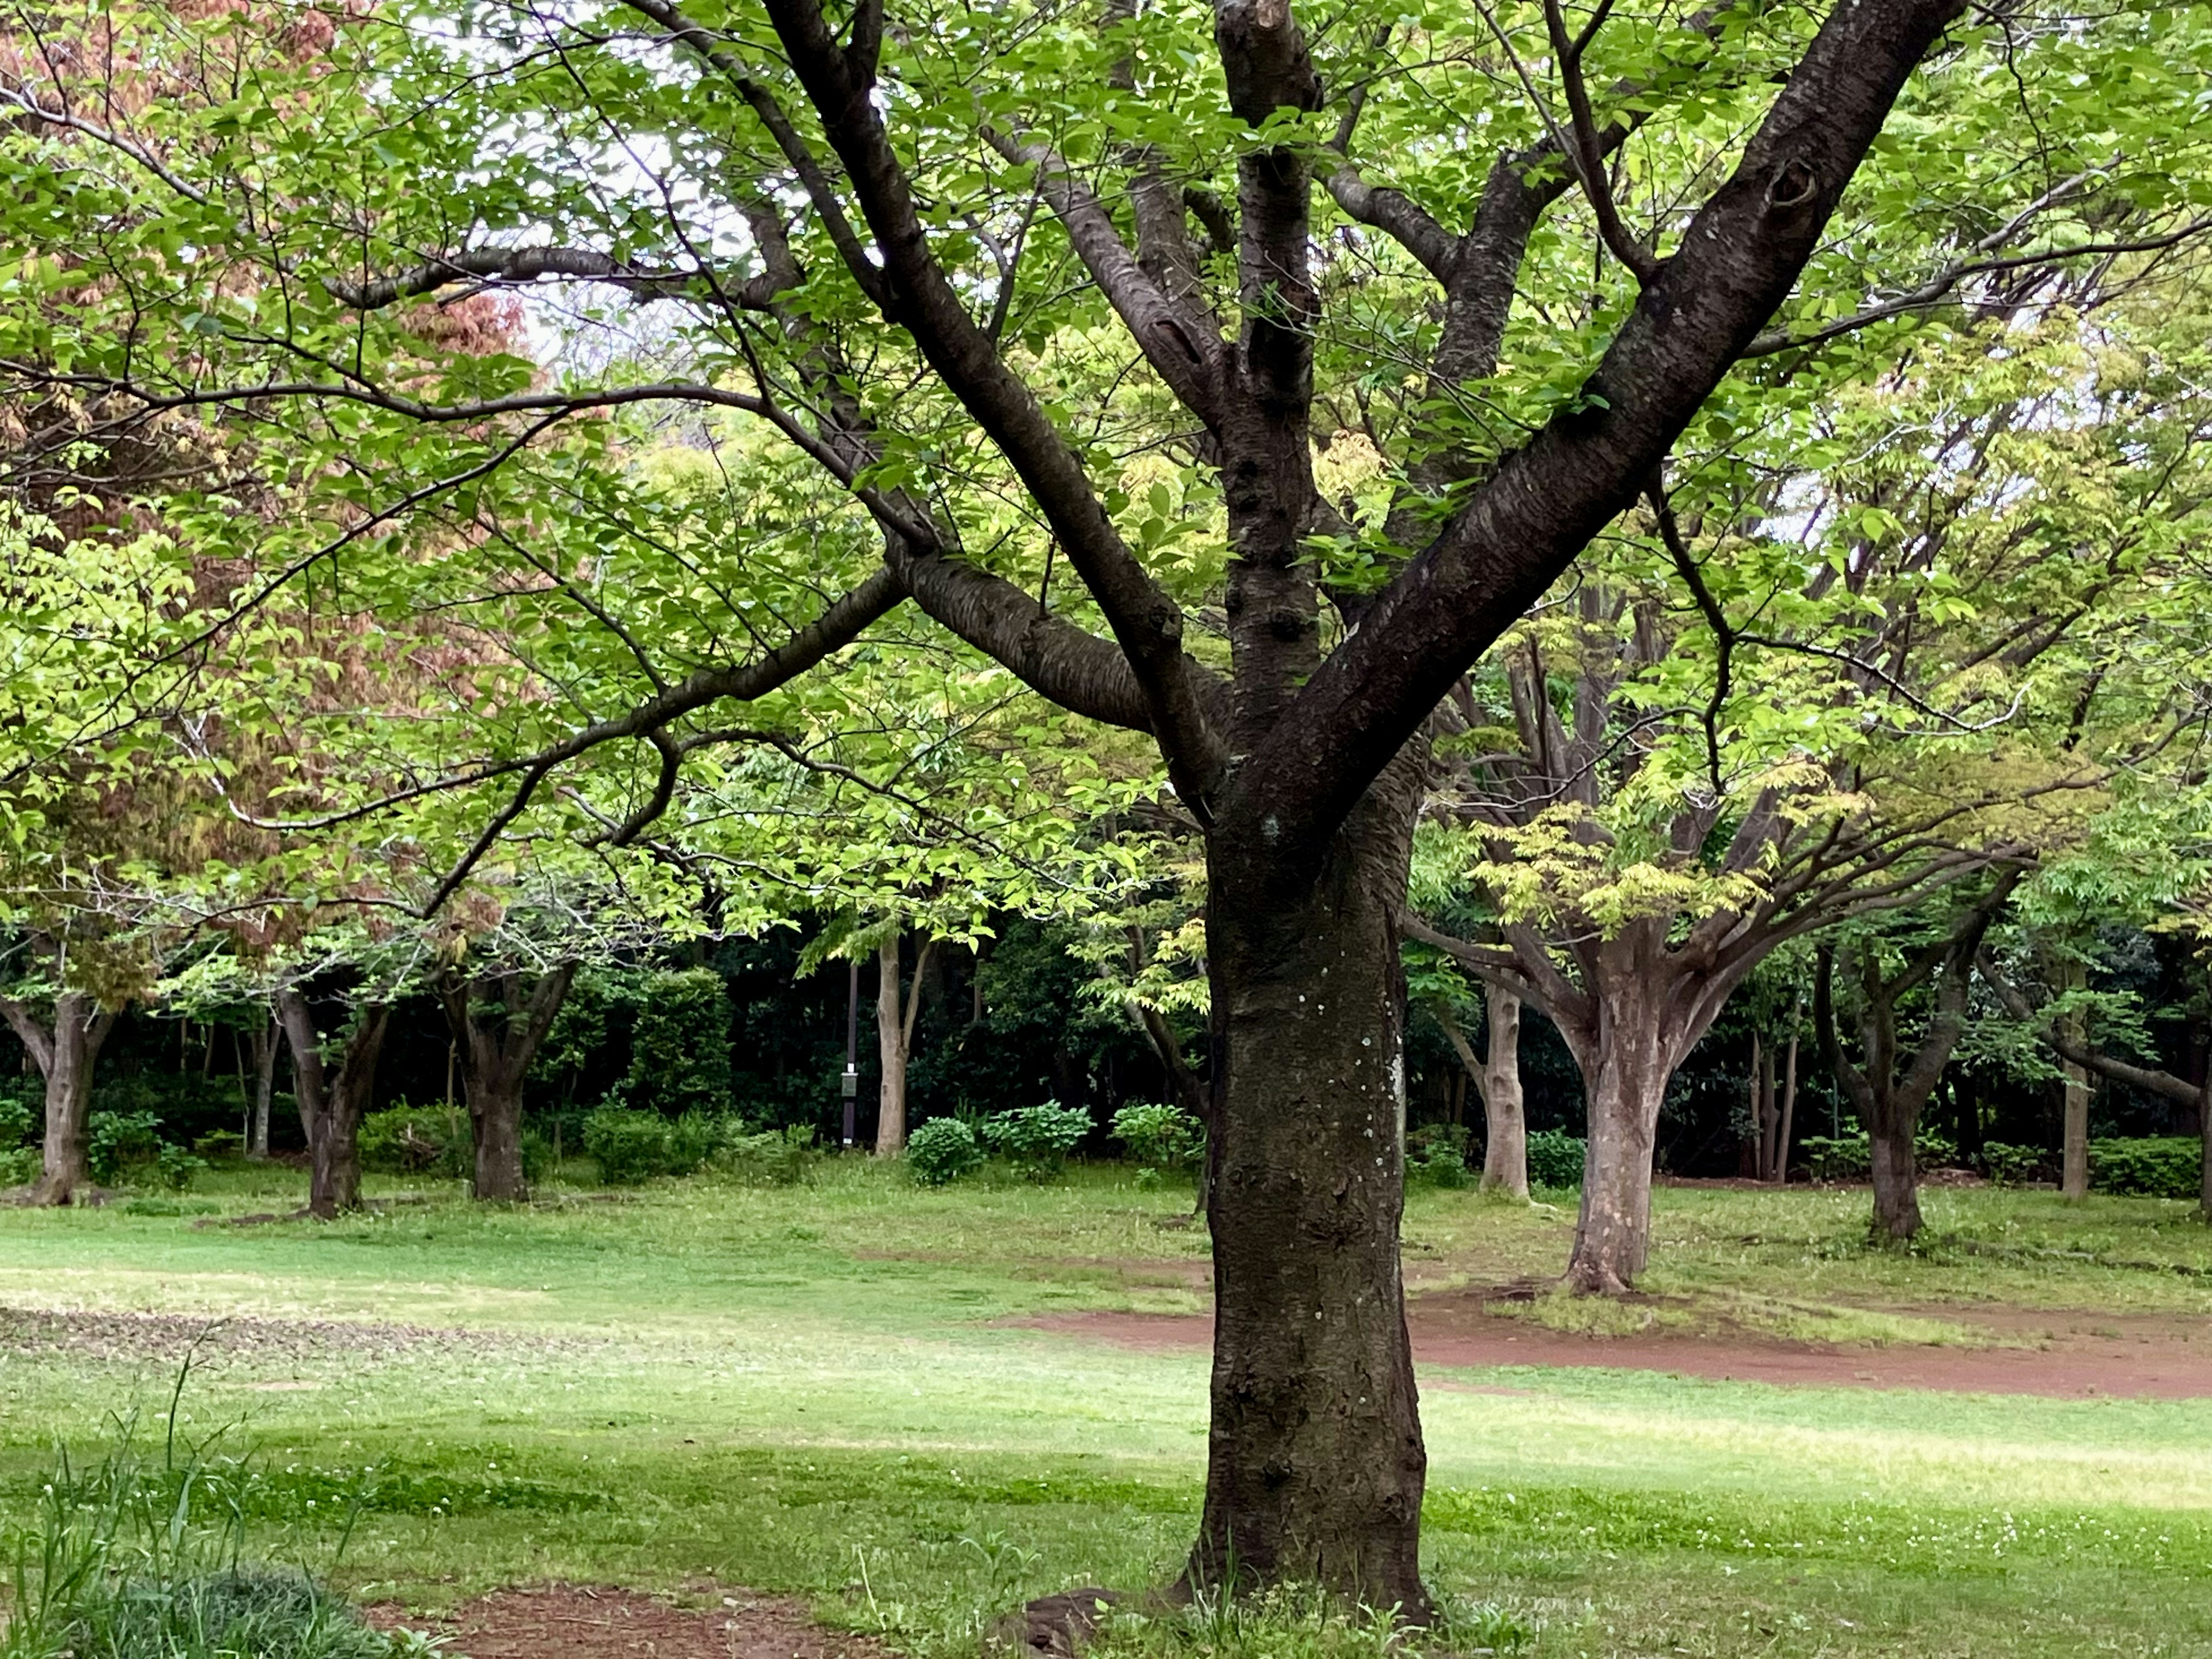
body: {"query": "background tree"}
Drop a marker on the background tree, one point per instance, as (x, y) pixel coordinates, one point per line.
(904, 333)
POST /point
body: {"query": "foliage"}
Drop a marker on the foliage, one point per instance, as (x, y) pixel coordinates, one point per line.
(631, 1146)
(118, 1143)
(23, 1111)
(680, 1044)
(2008, 1165)
(1555, 1158)
(2164, 1166)
(218, 1145)
(1437, 1155)
(405, 1140)
(127, 1559)
(1850, 1157)
(21, 1165)
(1036, 1140)
(769, 1157)
(1161, 1137)
(943, 1150)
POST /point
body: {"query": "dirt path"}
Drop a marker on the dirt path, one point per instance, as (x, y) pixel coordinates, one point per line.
(2075, 1354)
(576, 1621)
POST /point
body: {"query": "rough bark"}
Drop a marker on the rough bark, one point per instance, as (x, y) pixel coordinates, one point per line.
(332, 1097)
(64, 1052)
(1625, 1061)
(1317, 1466)
(496, 1031)
(894, 1020)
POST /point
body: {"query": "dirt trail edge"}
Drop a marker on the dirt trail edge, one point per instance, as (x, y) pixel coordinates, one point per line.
(2077, 1354)
(577, 1621)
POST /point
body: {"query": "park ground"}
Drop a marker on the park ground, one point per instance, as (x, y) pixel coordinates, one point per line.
(912, 1410)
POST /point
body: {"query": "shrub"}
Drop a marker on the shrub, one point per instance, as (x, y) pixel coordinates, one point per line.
(2163, 1166)
(1555, 1158)
(1435, 1155)
(943, 1150)
(218, 1144)
(773, 1157)
(177, 1168)
(1036, 1139)
(679, 1057)
(630, 1147)
(22, 1165)
(23, 1111)
(406, 1139)
(2015, 1166)
(1850, 1157)
(120, 1143)
(1160, 1137)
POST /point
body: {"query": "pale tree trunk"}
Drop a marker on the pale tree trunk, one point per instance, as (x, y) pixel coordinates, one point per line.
(496, 1034)
(2074, 1116)
(894, 1020)
(64, 1053)
(264, 1086)
(1762, 1110)
(1497, 1078)
(332, 1098)
(1316, 1466)
(1789, 1113)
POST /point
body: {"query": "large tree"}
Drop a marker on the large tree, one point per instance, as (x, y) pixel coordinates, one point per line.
(983, 270)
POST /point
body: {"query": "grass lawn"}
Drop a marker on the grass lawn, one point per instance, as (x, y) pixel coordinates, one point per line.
(825, 1389)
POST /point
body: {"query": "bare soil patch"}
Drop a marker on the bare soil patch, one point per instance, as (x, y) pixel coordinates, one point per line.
(2069, 1353)
(577, 1621)
(213, 1342)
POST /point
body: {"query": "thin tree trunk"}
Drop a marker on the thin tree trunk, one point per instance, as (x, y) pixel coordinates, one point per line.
(1504, 1120)
(1316, 1466)
(264, 1086)
(1788, 1114)
(1760, 1131)
(2074, 1178)
(891, 1050)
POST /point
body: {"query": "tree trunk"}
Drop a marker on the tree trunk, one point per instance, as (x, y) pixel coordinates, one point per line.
(264, 1086)
(1789, 1114)
(64, 1053)
(1314, 1461)
(1624, 1083)
(1890, 1136)
(494, 1037)
(2204, 1144)
(496, 1124)
(2074, 1179)
(891, 1050)
(333, 1099)
(1504, 1121)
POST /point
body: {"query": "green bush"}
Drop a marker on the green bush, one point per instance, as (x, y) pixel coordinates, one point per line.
(2016, 1166)
(1435, 1155)
(22, 1165)
(679, 1059)
(2162, 1166)
(120, 1144)
(23, 1111)
(1850, 1157)
(1036, 1139)
(630, 1147)
(405, 1140)
(218, 1144)
(1160, 1137)
(773, 1157)
(177, 1168)
(943, 1150)
(695, 1138)
(1555, 1158)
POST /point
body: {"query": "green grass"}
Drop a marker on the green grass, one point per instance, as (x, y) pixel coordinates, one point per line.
(821, 1389)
